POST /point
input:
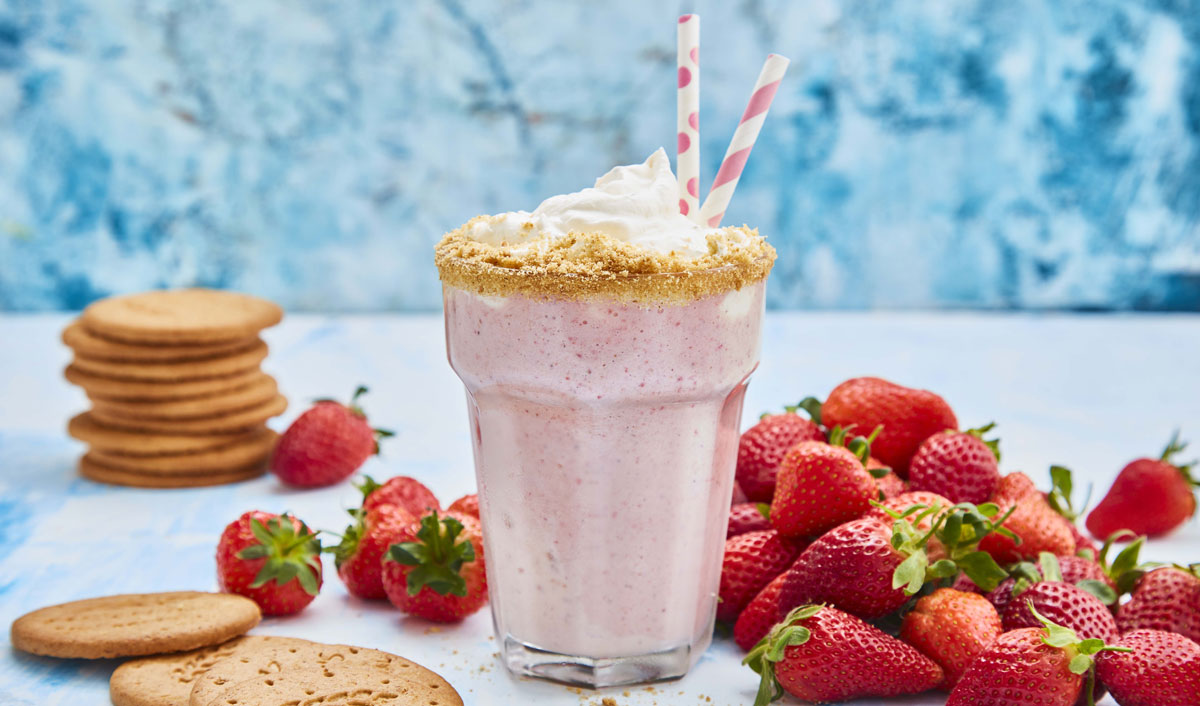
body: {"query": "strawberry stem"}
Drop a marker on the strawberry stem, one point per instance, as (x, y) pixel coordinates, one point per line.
(289, 553)
(437, 556)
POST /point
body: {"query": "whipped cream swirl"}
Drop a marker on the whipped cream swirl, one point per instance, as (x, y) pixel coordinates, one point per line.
(637, 204)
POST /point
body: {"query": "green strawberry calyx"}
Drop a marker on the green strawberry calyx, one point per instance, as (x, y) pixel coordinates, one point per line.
(353, 534)
(290, 554)
(978, 432)
(1125, 570)
(771, 650)
(437, 557)
(356, 409)
(811, 405)
(367, 486)
(959, 529)
(1062, 485)
(1027, 573)
(860, 446)
(1080, 652)
(1174, 448)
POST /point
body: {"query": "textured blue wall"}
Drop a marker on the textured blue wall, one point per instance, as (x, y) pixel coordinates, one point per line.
(957, 153)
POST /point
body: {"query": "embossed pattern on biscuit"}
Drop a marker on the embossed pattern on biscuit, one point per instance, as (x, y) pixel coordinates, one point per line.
(167, 680)
(320, 674)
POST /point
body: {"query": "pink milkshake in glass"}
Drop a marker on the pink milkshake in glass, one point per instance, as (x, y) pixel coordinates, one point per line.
(605, 342)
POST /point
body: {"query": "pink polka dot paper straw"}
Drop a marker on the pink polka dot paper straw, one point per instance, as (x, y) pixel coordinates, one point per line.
(747, 131)
(687, 157)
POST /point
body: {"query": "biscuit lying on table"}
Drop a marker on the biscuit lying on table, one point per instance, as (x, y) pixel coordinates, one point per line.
(134, 624)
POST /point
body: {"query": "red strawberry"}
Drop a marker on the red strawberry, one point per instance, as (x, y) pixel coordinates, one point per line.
(1064, 604)
(959, 465)
(326, 444)
(821, 655)
(951, 628)
(1030, 666)
(908, 417)
(274, 560)
(435, 568)
(819, 487)
(1077, 572)
(1165, 599)
(746, 517)
(359, 555)
(1150, 496)
(763, 446)
(467, 505)
(401, 491)
(751, 561)
(849, 567)
(1162, 670)
(760, 615)
(1040, 528)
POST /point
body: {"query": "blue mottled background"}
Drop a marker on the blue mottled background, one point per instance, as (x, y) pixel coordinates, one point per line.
(1016, 154)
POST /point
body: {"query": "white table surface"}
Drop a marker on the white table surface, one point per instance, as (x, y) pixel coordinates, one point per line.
(1090, 392)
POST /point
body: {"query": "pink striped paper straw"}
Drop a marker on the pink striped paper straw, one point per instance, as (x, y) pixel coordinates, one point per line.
(747, 131)
(687, 156)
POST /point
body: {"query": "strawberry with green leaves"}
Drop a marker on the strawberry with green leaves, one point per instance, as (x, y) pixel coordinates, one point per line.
(358, 557)
(908, 417)
(1167, 598)
(435, 568)
(1150, 496)
(1106, 583)
(951, 628)
(1048, 666)
(821, 655)
(763, 446)
(870, 568)
(1161, 669)
(821, 485)
(274, 560)
(1066, 605)
(326, 444)
(960, 465)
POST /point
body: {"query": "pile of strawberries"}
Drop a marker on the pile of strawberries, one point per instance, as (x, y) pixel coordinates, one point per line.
(875, 550)
(400, 545)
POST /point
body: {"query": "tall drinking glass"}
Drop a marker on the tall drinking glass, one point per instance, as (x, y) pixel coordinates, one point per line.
(605, 434)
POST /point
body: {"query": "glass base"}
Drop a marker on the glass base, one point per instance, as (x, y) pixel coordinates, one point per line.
(531, 661)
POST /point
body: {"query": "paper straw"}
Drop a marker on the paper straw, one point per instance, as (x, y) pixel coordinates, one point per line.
(687, 156)
(743, 140)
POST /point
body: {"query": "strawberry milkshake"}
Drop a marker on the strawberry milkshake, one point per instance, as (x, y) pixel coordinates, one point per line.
(605, 343)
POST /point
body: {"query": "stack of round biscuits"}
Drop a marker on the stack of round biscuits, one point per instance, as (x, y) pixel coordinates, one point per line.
(178, 398)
